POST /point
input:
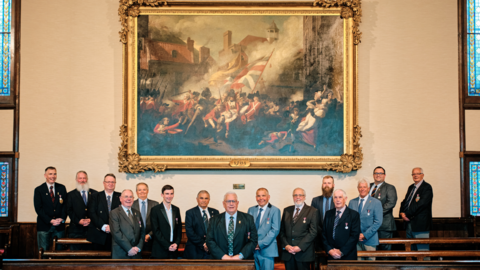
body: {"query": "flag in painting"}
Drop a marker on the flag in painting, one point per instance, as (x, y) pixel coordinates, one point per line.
(249, 76)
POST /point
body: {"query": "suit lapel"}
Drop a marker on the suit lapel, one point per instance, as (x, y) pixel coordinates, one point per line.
(124, 215)
(174, 218)
(223, 226)
(164, 212)
(103, 201)
(199, 217)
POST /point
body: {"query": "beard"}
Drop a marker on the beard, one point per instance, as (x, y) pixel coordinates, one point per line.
(83, 187)
(327, 192)
(298, 204)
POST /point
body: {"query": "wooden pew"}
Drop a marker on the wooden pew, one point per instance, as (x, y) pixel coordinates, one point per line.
(8, 231)
(128, 264)
(420, 255)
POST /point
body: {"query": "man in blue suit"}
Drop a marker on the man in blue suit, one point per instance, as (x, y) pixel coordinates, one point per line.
(196, 224)
(371, 217)
(267, 222)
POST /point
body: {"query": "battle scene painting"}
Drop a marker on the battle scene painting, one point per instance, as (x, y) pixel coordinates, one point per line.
(240, 85)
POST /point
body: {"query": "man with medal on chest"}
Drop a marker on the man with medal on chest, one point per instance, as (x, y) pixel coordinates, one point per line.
(49, 202)
(144, 206)
(297, 233)
(232, 234)
(196, 225)
(77, 209)
(341, 229)
(371, 217)
(267, 222)
(416, 209)
(127, 228)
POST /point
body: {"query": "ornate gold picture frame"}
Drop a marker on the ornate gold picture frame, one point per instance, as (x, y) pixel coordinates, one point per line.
(240, 85)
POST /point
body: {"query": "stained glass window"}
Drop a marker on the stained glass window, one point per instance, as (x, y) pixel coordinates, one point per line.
(5, 27)
(4, 173)
(474, 196)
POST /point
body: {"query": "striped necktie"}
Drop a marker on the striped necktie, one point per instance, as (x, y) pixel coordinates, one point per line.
(230, 237)
(337, 217)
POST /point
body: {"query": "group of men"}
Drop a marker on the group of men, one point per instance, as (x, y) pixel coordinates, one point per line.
(113, 220)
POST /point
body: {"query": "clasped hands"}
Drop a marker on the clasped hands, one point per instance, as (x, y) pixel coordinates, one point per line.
(172, 247)
(84, 222)
(231, 258)
(335, 253)
(292, 250)
(133, 251)
(56, 222)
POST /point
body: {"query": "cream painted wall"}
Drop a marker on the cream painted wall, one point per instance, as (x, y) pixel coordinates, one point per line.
(71, 110)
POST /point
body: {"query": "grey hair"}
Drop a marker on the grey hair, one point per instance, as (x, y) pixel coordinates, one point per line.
(362, 181)
(202, 191)
(84, 172)
(343, 191)
(228, 193)
(304, 193)
(418, 168)
(126, 190)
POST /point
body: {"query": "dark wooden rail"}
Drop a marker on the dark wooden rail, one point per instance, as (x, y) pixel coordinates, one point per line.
(93, 264)
(402, 265)
(420, 255)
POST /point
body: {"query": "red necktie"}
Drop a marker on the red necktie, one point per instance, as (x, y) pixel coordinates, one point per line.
(51, 194)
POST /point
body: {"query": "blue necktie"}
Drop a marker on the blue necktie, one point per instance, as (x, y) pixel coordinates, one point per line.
(335, 223)
(84, 197)
(230, 237)
(109, 203)
(257, 221)
(360, 206)
(143, 211)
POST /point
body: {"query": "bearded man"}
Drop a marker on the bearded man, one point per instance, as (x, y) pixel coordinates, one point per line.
(77, 208)
(323, 204)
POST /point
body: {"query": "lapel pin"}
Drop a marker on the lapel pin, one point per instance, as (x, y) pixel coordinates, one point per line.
(46, 194)
(304, 220)
(60, 199)
(248, 235)
(379, 195)
(268, 220)
(239, 221)
(418, 198)
(368, 212)
(346, 226)
(176, 221)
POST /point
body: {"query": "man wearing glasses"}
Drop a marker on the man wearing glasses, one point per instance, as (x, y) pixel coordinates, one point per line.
(416, 209)
(99, 207)
(232, 234)
(387, 194)
(297, 233)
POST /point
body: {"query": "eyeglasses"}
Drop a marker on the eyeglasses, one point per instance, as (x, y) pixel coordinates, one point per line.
(378, 173)
(413, 174)
(298, 195)
(230, 202)
(109, 182)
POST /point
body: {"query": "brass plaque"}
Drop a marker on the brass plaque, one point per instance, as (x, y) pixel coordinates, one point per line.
(239, 163)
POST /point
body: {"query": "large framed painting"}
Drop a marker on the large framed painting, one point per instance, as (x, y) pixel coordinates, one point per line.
(240, 85)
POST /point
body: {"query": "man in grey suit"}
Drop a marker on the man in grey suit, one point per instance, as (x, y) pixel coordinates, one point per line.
(127, 229)
(267, 222)
(144, 206)
(371, 217)
(387, 194)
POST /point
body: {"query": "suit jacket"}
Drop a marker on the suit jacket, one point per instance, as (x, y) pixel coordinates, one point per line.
(99, 216)
(161, 231)
(420, 210)
(268, 229)
(148, 225)
(301, 234)
(196, 233)
(317, 203)
(346, 233)
(126, 234)
(387, 194)
(46, 210)
(77, 210)
(245, 238)
(371, 219)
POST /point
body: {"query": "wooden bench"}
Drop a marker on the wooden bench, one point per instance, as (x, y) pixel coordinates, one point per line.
(420, 255)
(402, 265)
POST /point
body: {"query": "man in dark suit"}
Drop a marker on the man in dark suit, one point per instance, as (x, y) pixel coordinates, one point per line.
(49, 202)
(77, 202)
(99, 208)
(127, 228)
(298, 230)
(166, 226)
(341, 229)
(387, 194)
(323, 204)
(144, 206)
(196, 225)
(232, 234)
(416, 209)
